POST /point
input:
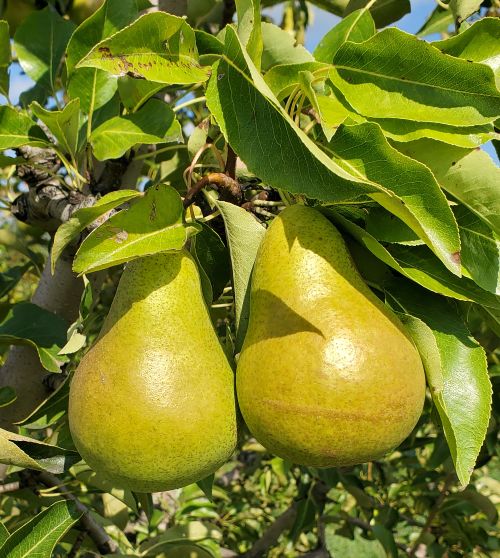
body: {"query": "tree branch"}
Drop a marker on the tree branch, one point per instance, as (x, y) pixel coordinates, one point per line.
(103, 542)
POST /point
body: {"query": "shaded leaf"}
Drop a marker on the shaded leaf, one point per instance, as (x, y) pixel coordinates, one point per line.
(29, 453)
(17, 128)
(281, 48)
(153, 224)
(357, 27)
(5, 58)
(213, 257)
(244, 235)
(192, 532)
(38, 537)
(412, 80)
(158, 47)
(4, 534)
(420, 203)
(154, 123)
(470, 176)
(480, 250)
(10, 278)
(63, 124)
(383, 11)
(417, 264)
(82, 218)
(7, 396)
(29, 324)
(135, 92)
(438, 22)
(50, 410)
(456, 371)
(206, 485)
(40, 54)
(249, 28)
(462, 9)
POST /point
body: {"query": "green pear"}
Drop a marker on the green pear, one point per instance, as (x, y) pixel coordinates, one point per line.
(152, 403)
(327, 375)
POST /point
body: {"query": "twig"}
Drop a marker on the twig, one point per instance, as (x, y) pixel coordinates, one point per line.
(230, 169)
(77, 544)
(103, 542)
(230, 187)
(270, 537)
(432, 514)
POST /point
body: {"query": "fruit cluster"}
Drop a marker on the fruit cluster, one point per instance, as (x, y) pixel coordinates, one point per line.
(327, 376)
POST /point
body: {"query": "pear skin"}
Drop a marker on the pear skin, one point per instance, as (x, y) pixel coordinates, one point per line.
(152, 403)
(327, 375)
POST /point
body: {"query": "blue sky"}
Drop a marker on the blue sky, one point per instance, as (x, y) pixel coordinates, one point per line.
(322, 22)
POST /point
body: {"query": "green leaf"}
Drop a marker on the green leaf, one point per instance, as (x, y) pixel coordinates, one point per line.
(206, 485)
(479, 43)
(456, 371)
(412, 80)
(10, 278)
(158, 47)
(4, 534)
(438, 22)
(135, 92)
(244, 235)
(386, 538)
(417, 264)
(29, 453)
(480, 250)
(462, 9)
(357, 27)
(249, 29)
(254, 124)
(40, 54)
(50, 410)
(94, 88)
(406, 130)
(213, 257)
(154, 123)
(418, 261)
(470, 176)
(5, 58)
(82, 218)
(63, 124)
(283, 79)
(341, 547)
(38, 537)
(112, 16)
(383, 11)
(420, 203)
(17, 128)
(7, 396)
(153, 224)
(281, 48)
(29, 324)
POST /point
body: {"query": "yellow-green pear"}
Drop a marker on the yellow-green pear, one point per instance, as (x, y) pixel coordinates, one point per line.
(152, 403)
(327, 376)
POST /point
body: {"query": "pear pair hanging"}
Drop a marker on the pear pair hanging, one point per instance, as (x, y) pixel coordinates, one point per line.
(326, 377)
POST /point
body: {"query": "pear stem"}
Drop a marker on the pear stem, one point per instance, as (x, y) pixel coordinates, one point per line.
(219, 179)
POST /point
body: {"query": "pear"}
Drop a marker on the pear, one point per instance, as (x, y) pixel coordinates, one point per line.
(152, 403)
(327, 375)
